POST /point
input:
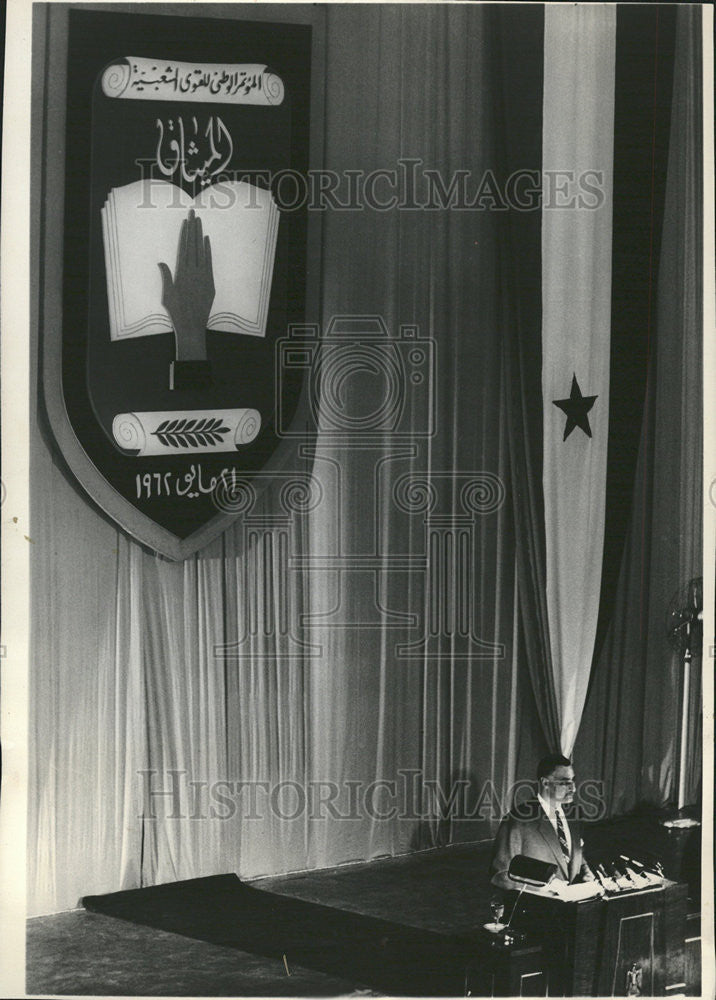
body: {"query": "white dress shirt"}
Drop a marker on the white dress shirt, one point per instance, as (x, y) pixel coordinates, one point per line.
(550, 814)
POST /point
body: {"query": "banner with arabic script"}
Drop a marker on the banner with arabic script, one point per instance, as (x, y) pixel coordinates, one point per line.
(153, 80)
(182, 266)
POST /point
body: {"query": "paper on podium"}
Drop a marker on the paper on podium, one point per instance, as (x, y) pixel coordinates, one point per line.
(580, 890)
(559, 889)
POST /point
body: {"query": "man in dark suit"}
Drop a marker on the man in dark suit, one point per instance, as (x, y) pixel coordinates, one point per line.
(539, 829)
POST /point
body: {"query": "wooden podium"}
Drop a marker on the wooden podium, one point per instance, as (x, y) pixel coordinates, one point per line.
(494, 970)
(631, 944)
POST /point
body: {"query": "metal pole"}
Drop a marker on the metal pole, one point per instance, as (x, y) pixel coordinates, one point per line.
(685, 692)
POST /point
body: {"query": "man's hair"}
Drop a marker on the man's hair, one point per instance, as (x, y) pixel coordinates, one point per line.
(549, 763)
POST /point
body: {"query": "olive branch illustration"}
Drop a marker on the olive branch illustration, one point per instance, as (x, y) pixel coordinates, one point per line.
(186, 433)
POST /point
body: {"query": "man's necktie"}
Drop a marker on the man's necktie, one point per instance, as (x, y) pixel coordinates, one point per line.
(562, 836)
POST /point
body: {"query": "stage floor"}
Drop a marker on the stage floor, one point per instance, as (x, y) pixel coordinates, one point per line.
(92, 954)
(439, 892)
(446, 890)
(89, 954)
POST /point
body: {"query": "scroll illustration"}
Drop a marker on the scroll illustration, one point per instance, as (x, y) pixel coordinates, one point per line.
(141, 79)
(185, 432)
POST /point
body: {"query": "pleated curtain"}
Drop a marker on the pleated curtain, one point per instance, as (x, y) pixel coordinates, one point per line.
(157, 712)
(630, 730)
(174, 733)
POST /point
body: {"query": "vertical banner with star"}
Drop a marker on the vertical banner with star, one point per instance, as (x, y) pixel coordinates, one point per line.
(578, 133)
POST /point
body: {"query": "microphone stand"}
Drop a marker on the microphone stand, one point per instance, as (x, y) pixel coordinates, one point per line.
(683, 735)
(519, 895)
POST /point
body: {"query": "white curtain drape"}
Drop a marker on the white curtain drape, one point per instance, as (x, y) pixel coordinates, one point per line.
(578, 126)
(173, 733)
(440, 710)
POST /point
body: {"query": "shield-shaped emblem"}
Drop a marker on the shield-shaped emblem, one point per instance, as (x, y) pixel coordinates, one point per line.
(182, 269)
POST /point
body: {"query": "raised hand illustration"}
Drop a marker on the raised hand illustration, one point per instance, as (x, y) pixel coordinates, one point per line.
(189, 294)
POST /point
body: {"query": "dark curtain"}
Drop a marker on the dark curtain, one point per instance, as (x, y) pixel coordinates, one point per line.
(630, 728)
(518, 70)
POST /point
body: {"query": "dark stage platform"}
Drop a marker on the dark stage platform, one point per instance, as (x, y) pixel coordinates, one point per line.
(387, 955)
(403, 926)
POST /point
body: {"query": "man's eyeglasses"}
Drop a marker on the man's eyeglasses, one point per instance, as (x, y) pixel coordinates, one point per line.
(563, 782)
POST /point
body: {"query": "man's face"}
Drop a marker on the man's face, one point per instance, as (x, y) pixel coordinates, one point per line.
(559, 786)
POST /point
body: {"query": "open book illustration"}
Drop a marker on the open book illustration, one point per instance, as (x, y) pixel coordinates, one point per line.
(141, 223)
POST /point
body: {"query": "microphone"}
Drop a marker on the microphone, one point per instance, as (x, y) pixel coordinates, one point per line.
(621, 873)
(634, 868)
(654, 869)
(600, 879)
(652, 864)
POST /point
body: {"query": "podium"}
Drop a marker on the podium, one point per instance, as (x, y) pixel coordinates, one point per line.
(494, 970)
(629, 944)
